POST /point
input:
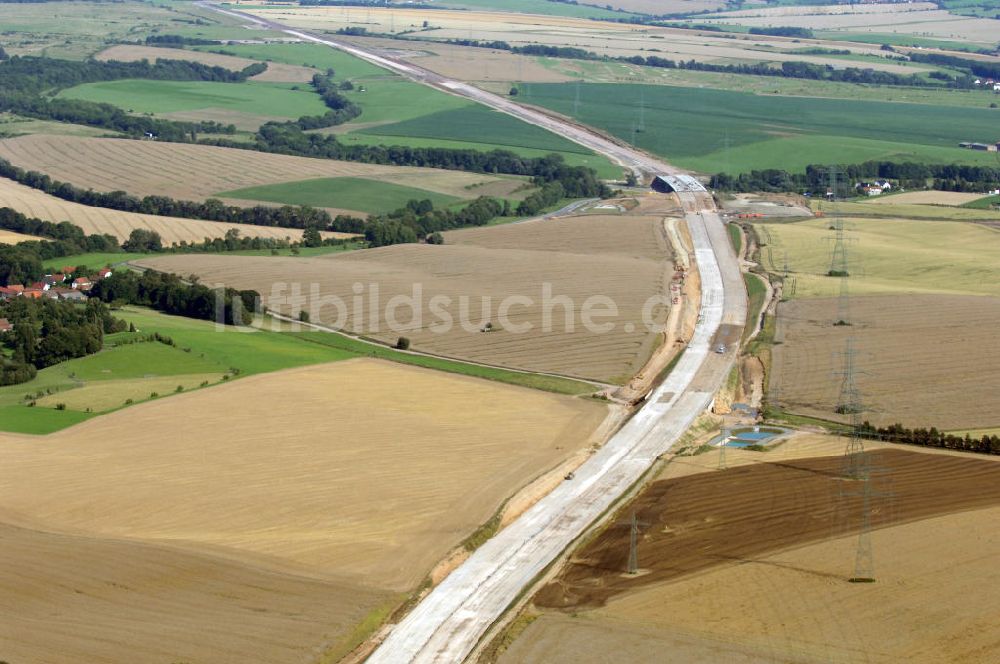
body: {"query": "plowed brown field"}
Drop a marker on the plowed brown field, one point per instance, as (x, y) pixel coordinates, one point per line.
(623, 258)
(195, 172)
(932, 602)
(923, 360)
(708, 520)
(173, 230)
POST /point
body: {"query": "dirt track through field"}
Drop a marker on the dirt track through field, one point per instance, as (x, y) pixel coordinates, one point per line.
(621, 258)
(706, 520)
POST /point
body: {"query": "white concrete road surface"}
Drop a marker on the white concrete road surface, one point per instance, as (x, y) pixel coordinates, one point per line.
(448, 624)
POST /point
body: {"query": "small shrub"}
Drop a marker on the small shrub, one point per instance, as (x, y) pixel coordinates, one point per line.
(154, 395)
(60, 406)
(204, 383)
(180, 388)
(403, 343)
(129, 402)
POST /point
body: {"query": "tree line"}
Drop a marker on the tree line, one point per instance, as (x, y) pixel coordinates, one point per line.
(23, 263)
(46, 332)
(418, 220)
(172, 295)
(815, 179)
(341, 108)
(212, 209)
(897, 433)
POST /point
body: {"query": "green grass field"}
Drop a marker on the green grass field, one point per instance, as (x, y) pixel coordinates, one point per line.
(617, 72)
(94, 261)
(896, 40)
(984, 203)
(735, 237)
(344, 192)
(309, 55)
(390, 100)
(602, 165)
(477, 124)
(889, 256)
(691, 127)
(756, 292)
(160, 97)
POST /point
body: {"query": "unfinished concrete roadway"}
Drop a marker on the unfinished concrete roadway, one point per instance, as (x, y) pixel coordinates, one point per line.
(448, 624)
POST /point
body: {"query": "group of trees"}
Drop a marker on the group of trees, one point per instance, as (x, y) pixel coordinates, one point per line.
(910, 175)
(783, 31)
(897, 433)
(46, 332)
(419, 220)
(170, 294)
(174, 41)
(341, 108)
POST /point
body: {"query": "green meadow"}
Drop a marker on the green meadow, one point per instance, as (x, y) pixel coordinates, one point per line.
(344, 192)
(160, 97)
(714, 130)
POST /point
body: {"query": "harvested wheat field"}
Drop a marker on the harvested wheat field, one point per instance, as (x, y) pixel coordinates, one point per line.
(919, 18)
(926, 198)
(10, 237)
(361, 474)
(624, 259)
(196, 172)
(932, 602)
(83, 598)
(601, 37)
(92, 220)
(927, 360)
(466, 63)
(276, 72)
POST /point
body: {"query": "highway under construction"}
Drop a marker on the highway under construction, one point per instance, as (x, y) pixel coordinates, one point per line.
(449, 623)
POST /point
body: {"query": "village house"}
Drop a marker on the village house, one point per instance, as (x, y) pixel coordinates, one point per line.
(876, 188)
(82, 283)
(68, 294)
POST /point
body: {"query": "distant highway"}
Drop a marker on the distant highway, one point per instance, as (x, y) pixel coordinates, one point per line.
(450, 622)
